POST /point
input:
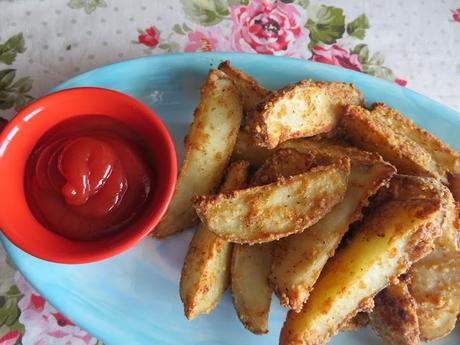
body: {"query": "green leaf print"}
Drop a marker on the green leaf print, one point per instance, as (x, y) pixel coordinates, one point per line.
(88, 5)
(178, 29)
(363, 52)
(205, 12)
(357, 28)
(326, 24)
(302, 3)
(13, 46)
(14, 93)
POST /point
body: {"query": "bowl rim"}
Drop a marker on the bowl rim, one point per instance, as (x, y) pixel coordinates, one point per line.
(99, 252)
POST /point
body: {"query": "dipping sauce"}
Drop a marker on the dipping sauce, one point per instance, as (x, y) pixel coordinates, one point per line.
(88, 177)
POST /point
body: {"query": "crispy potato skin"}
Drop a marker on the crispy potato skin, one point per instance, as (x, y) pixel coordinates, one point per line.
(218, 116)
(454, 185)
(272, 211)
(385, 245)
(357, 322)
(251, 292)
(394, 318)
(252, 92)
(329, 150)
(447, 159)
(300, 110)
(299, 259)
(435, 283)
(206, 271)
(283, 163)
(246, 149)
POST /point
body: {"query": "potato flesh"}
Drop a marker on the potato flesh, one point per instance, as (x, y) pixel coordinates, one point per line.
(245, 149)
(394, 317)
(299, 259)
(218, 116)
(206, 272)
(300, 110)
(380, 251)
(266, 213)
(251, 292)
(435, 287)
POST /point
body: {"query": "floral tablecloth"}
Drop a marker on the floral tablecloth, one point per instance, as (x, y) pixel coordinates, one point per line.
(43, 42)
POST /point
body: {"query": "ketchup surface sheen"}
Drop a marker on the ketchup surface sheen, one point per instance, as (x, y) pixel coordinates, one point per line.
(88, 177)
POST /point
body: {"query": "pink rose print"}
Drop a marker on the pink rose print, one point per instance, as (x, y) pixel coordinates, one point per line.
(456, 15)
(45, 325)
(336, 56)
(267, 27)
(401, 82)
(212, 39)
(9, 338)
(150, 38)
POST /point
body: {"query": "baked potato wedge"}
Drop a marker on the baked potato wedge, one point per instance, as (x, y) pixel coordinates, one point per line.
(251, 91)
(273, 211)
(384, 246)
(300, 110)
(412, 150)
(206, 271)
(251, 292)
(447, 159)
(394, 317)
(435, 287)
(299, 259)
(329, 149)
(217, 116)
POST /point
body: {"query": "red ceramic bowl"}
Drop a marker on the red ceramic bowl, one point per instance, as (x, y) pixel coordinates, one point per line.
(17, 141)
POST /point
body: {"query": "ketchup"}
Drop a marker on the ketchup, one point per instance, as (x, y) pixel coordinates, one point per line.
(88, 177)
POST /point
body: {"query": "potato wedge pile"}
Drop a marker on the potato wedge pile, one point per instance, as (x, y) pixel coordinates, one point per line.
(348, 215)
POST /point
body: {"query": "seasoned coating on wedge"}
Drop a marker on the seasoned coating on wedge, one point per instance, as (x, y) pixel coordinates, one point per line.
(394, 318)
(276, 210)
(404, 187)
(283, 163)
(206, 271)
(454, 185)
(447, 159)
(300, 110)
(370, 133)
(251, 91)
(251, 292)
(329, 149)
(246, 149)
(435, 287)
(299, 259)
(357, 322)
(383, 247)
(217, 116)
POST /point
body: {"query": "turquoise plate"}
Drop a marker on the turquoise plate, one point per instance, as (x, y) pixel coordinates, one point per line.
(133, 298)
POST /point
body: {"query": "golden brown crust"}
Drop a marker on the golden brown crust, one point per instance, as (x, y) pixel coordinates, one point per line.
(217, 116)
(367, 132)
(303, 109)
(394, 317)
(250, 89)
(269, 212)
(357, 322)
(206, 271)
(380, 250)
(283, 163)
(447, 159)
(299, 259)
(331, 150)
